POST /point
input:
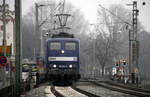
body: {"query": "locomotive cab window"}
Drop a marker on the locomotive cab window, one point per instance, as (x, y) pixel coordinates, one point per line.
(70, 46)
(55, 46)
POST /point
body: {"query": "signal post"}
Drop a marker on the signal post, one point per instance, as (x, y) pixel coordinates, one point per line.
(134, 45)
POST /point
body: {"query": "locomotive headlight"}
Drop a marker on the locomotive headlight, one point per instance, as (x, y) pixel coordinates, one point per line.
(70, 66)
(62, 51)
(54, 65)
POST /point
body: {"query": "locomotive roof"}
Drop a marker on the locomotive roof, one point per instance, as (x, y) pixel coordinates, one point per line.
(62, 35)
(69, 39)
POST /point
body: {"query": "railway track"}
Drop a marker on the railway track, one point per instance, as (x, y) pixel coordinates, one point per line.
(123, 89)
(86, 89)
(129, 87)
(100, 91)
(70, 92)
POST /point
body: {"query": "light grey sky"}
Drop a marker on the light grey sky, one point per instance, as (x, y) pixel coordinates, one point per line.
(89, 7)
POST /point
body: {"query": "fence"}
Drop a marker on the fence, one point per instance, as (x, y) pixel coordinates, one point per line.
(145, 82)
(7, 91)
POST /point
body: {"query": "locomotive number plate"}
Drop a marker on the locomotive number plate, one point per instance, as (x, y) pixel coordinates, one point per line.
(62, 58)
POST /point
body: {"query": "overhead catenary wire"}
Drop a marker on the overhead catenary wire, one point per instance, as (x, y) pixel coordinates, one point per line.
(49, 15)
(115, 15)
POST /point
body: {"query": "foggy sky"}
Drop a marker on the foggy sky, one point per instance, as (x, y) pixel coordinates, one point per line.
(89, 7)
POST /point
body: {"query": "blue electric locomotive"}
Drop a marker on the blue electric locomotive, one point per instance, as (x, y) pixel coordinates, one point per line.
(62, 56)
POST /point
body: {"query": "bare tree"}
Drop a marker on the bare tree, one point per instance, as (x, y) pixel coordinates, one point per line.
(111, 31)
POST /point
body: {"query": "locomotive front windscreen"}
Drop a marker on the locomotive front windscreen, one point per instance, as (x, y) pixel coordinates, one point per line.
(70, 46)
(55, 46)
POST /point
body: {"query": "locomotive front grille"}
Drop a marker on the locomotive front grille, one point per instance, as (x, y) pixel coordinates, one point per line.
(63, 71)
